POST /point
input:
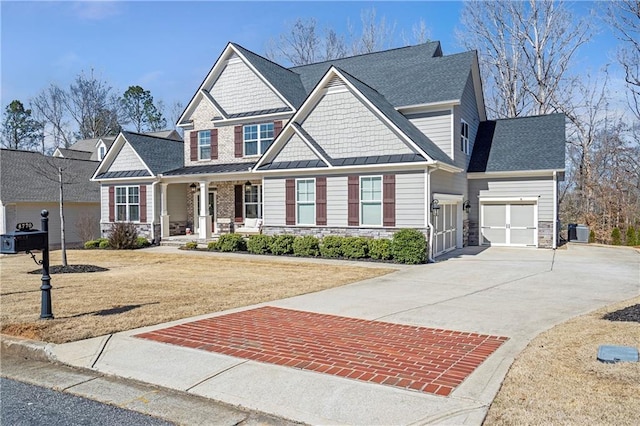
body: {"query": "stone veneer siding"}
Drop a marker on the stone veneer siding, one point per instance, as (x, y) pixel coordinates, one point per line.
(343, 232)
(545, 234)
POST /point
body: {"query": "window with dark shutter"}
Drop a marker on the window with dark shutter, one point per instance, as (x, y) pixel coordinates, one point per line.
(353, 214)
(193, 138)
(112, 204)
(237, 141)
(214, 144)
(290, 201)
(143, 203)
(239, 193)
(321, 201)
(389, 200)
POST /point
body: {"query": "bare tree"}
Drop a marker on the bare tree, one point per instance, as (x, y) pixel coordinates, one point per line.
(375, 34)
(526, 49)
(300, 45)
(92, 106)
(624, 18)
(50, 104)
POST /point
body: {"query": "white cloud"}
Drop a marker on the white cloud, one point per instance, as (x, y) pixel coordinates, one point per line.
(96, 10)
(150, 78)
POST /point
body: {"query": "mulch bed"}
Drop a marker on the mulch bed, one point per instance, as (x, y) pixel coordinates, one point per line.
(630, 314)
(71, 269)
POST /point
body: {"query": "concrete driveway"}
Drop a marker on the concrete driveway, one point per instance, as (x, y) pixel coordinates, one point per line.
(516, 293)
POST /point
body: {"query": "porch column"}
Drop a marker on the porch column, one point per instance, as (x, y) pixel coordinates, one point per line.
(164, 214)
(204, 220)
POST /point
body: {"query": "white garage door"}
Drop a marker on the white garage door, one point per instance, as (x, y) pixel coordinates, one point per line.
(446, 233)
(509, 224)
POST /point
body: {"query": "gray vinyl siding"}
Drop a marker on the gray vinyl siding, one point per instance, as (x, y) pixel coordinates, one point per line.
(238, 89)
(176, 202)
(540, 188)
(337, 201)
(126, 159)
(344, 127)
(467, 111)
(448, 183)
(410, 200)
(436, 125)
(295, 149)
(274, 208)
(104, 204)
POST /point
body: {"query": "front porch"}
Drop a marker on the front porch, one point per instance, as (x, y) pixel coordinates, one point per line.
(202, 210)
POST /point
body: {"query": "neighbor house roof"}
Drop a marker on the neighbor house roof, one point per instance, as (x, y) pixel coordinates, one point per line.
(89, 145)
(72, 153)
(27, 176)
(518, 144)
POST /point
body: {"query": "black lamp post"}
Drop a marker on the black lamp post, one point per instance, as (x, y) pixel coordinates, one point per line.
(45, 306)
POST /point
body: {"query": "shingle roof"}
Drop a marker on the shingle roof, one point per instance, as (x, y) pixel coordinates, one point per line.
(405, 76)
(77, 155)
(515, 144)
(27, 176)
(167, 134)
(212, 169)
(159, 154)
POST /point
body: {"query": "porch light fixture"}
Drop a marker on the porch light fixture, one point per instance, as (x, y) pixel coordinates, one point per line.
(435, 206)
(466, 206)
(248, 183)
(193, 187)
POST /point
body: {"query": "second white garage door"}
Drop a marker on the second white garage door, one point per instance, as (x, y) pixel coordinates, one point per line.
(509, 224)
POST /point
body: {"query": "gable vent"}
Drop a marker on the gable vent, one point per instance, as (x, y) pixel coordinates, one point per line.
(335, 82)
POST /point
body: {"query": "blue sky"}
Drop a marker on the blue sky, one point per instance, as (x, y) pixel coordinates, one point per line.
(167, 47)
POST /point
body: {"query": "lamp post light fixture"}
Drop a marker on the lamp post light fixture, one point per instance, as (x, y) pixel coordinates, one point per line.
(466, 206)
(248, 184)
(435, 206)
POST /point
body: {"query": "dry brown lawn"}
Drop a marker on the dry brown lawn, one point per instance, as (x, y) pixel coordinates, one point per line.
(144, 288)
(558, 380)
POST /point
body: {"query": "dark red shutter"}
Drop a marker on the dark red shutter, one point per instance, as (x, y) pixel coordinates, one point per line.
(143, 203)
(194, 145)
(214, 144)
(321, 201)
(290, 201)
(112, 204)
(239, 194)
(237, 141)
(353, 197)
(389, 200)
(277, 128)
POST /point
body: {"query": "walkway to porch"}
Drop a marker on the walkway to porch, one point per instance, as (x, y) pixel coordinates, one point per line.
(180, 240)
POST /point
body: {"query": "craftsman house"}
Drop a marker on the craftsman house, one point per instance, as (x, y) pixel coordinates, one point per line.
(364, 145)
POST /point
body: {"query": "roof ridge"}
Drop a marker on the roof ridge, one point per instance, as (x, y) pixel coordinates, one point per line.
(526, 116)
(151, 136)
(367, 53)
(262, 57)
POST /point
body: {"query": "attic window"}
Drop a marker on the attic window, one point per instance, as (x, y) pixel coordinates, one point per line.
(464, 137)
(101, 152)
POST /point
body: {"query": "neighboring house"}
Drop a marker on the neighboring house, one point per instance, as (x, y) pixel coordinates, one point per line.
(28, 184)
(87, 149)
(364, 145)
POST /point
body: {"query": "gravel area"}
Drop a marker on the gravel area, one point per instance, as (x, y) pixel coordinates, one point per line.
(630, 314)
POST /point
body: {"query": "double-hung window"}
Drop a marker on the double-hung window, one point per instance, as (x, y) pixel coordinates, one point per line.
(371, 200)
(306, 201)
(101, 152)
(127, 203)
(253, 202)
(204, 145)
(257, 138)
(464, 137)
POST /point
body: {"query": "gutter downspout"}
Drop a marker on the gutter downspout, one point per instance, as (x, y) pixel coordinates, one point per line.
(427, 212)
(554, 244)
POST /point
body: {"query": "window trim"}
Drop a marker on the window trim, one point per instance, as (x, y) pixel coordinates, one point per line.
(259, 141)
(307, 203)
(201, 145)
(380, 201)
(464, 139)
(102, 151)
(127, 203)
(258, 203)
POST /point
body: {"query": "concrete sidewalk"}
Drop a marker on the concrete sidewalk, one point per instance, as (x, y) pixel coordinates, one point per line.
(516, 293)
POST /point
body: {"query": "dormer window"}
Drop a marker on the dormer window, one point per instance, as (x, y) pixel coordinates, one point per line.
(464, 137)
(257, 138)
(101, 151)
